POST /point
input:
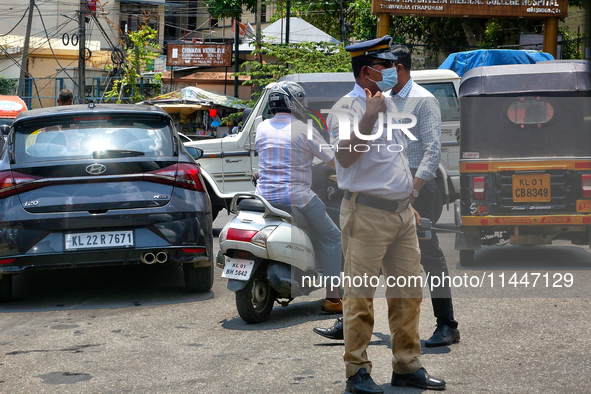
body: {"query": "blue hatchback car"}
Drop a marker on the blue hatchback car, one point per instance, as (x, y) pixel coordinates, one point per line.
(102, 185)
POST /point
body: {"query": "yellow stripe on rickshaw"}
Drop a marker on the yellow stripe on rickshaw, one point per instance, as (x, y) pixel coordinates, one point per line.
(488, 166)
(525, 220)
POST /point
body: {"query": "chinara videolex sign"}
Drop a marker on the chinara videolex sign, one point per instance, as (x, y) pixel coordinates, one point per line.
(199, 55)
(474, 8)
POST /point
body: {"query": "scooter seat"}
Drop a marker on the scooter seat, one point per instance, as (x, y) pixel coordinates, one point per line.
(253, 205)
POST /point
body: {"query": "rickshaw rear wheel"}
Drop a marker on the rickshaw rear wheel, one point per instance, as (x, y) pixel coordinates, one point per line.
(467, 257)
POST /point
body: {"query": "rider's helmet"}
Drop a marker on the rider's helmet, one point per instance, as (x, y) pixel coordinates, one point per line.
(288, 96)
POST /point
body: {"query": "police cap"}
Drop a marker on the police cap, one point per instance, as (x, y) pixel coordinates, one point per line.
(378, 48)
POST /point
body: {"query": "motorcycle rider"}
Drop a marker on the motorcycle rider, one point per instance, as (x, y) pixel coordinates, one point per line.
(286, 153)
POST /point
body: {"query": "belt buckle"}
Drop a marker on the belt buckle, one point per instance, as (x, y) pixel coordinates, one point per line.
(402, 206)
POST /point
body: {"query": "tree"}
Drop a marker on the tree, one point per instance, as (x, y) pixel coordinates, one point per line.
(303, 57)
(142, 49)
(229, 8)
(447, 34)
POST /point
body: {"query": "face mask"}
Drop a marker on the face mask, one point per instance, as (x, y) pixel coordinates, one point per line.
(389, 78)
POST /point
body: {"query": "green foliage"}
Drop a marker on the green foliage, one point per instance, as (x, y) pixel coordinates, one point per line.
(8, 86)
(364, 23)
(141, 51)
(325, 14)
(573, 46)
(304, 57)
(297, 58)
(229, 8)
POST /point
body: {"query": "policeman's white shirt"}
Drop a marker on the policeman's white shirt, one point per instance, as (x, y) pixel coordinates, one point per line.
(383, 170)
(286, 153)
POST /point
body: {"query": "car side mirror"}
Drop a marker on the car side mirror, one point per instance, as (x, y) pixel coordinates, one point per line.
(196, 153)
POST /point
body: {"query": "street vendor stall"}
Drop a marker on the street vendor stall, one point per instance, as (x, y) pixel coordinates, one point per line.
(197, 112)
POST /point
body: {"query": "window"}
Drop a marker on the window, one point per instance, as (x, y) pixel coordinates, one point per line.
(530, 111)
(448, 101)
(213, 22)
(88, 136)
(133, 16)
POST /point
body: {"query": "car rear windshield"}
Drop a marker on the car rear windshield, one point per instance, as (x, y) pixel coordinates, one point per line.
(6, 121)
(92, 136)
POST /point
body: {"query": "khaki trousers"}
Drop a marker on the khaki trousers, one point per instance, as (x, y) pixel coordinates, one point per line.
(373, 238)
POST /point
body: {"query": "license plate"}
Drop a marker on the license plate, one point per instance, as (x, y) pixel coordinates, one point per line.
(103, 239)
(238, 269)
(531, 188)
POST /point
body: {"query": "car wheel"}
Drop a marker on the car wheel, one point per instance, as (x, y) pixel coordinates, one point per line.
(5, 287)
(255, 301)
(467, 258)
(198, 279)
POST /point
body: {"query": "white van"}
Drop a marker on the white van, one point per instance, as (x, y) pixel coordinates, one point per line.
(229, 162)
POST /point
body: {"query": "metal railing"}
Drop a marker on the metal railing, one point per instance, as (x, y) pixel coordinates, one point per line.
(43, 92)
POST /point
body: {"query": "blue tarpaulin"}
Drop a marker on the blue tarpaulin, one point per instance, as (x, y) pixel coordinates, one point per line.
(461, 62)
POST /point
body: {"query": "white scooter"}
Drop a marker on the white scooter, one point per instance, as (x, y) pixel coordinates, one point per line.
(266, 256)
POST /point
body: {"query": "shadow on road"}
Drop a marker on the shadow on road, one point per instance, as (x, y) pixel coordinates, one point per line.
(516, 257)
(281, 317)
(98, 288)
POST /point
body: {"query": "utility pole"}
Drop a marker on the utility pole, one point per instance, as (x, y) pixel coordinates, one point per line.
(21, 80)
(82, 53)
(287, 18)
(342, 23)
(236, 56)
(258, 22)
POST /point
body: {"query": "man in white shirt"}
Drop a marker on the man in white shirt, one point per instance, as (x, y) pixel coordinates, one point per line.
(286, 153)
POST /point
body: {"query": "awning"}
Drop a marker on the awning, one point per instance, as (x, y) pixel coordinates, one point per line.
(195, 93)
(183, 109)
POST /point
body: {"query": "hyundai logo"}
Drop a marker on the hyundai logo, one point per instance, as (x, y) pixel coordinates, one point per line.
(96, 169)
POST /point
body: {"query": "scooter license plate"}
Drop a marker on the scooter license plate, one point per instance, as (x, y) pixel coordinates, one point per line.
(238, 269)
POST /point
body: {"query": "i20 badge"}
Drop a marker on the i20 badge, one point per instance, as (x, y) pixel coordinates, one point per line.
(31, 203)
(96, 169)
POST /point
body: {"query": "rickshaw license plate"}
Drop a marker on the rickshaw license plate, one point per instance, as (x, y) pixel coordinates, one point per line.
(531, 188)
(238, 269)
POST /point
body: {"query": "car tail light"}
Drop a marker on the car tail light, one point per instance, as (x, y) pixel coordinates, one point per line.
(12, 183)
(235, 234)
(193, 250)
(6, 261)
(182, 175)
(586, 185)
(478, 188)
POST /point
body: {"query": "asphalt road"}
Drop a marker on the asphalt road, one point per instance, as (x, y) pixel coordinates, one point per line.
(135, 330)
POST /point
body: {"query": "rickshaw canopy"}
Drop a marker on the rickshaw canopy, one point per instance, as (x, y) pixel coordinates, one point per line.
(567, 77)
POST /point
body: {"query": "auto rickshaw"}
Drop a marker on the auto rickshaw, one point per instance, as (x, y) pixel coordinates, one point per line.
(525, 156)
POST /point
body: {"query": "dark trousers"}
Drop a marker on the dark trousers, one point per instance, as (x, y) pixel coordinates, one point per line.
(433, 260)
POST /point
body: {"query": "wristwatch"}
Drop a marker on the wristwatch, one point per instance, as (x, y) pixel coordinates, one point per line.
(414, 193)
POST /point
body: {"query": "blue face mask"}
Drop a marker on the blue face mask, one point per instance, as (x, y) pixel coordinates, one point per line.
(389, 78)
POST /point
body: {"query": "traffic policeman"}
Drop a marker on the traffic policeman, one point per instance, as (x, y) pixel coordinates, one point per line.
(377, 221)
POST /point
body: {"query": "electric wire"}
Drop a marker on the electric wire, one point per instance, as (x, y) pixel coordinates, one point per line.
(17, 23)
(53, 53)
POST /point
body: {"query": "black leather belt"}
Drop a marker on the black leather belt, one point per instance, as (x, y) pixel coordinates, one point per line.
(378, 203)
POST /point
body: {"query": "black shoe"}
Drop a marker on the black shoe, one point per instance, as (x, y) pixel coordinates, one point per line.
(334, 332)
(362, 383)
(419, 378)
(443, 336)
